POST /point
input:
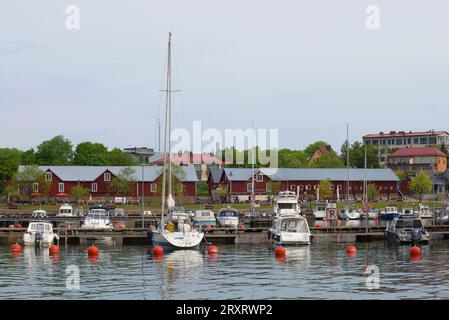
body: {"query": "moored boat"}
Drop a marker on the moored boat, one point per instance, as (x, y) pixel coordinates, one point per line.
(39, 234)
(406, 228)
(204, 217)
(228, 218)
(97, 219)
(65, 210)
(389, 213)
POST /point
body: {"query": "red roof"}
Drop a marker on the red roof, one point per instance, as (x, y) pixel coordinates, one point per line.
(192, 158)
(417, 152)
(397, 134)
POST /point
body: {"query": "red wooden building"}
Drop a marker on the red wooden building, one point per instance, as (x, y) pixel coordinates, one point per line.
(238, 182)
(97, 179)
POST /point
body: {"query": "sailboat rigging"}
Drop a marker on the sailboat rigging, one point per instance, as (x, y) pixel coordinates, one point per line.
(175, 230)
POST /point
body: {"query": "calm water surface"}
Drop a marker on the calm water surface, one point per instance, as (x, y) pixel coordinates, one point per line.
(321, 271)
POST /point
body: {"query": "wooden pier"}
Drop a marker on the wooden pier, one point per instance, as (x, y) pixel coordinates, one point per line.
(128, 231)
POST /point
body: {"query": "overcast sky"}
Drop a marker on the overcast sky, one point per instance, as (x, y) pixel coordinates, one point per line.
(303, 67)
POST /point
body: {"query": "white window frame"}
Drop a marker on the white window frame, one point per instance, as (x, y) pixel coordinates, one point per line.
(340, 187)
(61, 184)
(35, 187)
(259, 177)
(301, 187)
(153, 187)
(48, 176)
(292, 188)
(315, 187)
(249, 187)
(94, 187)
(108, 175)
(308, 187)
(267, 188)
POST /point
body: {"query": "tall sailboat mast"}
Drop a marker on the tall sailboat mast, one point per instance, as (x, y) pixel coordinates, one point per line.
(167, 131)
(347, 163)
(253, 193)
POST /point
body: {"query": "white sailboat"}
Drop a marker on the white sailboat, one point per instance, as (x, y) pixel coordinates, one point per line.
(175, 230)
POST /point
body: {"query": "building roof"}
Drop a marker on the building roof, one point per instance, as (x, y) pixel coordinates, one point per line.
(398, 134)
(187, 158)
(91, 173)
(306, 174)
(417, 152)
(216, 174)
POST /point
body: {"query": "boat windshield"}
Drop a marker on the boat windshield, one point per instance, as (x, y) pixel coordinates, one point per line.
(321, 208)
(65, 210)
(293, 225)
(287, 205)
(40, 227)
(409, 224)
(98, 214)
(229, 213)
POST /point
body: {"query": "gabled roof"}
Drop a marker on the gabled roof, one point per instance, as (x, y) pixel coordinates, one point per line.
(306, 174)
(215, 174)
(417, 152)
(91, 173)
(399, 134)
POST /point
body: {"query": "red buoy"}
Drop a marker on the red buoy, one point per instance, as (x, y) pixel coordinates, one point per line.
(351, 249)
(208, 227)
(93, 251)
(158, 251)
(317, 225)
(415, 251)
(16, 247)
(18, 225)
(279, 251)
(53, 249)
(242, 226)
(212, 249)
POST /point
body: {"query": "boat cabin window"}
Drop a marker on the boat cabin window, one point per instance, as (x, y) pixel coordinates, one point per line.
(321, 208)
(286, 205)
(417, 224)
(228, 214)
(293, 225)
(65, 210)
(409, 224)
(205, 214)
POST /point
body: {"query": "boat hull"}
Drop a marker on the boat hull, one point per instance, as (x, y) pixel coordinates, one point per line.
(405, 238)
(319, 215)
(228, 223)
(177, 240)
(29, 240)
(289, 238)
(213, 223)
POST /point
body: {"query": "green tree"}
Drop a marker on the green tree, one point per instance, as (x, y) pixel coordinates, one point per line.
(292, 158)
(79, 192)
(124, 182)
(357, 155)
(117, 157)
(91, 154)
(325, 189)
(25, 179)
(9, 162)
(28, 158)
(44, 187)
(273, 188)
(327, 160)
(56, 151)
(373, 192)
(421, 184)
(443, 148)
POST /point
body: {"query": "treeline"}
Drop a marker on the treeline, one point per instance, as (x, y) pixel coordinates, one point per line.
(60, 151)
(288, 158)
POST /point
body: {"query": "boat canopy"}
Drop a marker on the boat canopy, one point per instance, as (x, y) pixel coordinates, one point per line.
(294, 225)
(228, 213)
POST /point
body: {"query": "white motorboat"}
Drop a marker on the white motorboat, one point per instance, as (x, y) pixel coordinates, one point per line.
(406, 228)
(424, 212)
(290, 229)
(39, 234)
(39, 214)
(97, 219)
(353, 214)
(320, 212)
(65, 211)
(228, 218)
(286, 202)
(204, 217)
